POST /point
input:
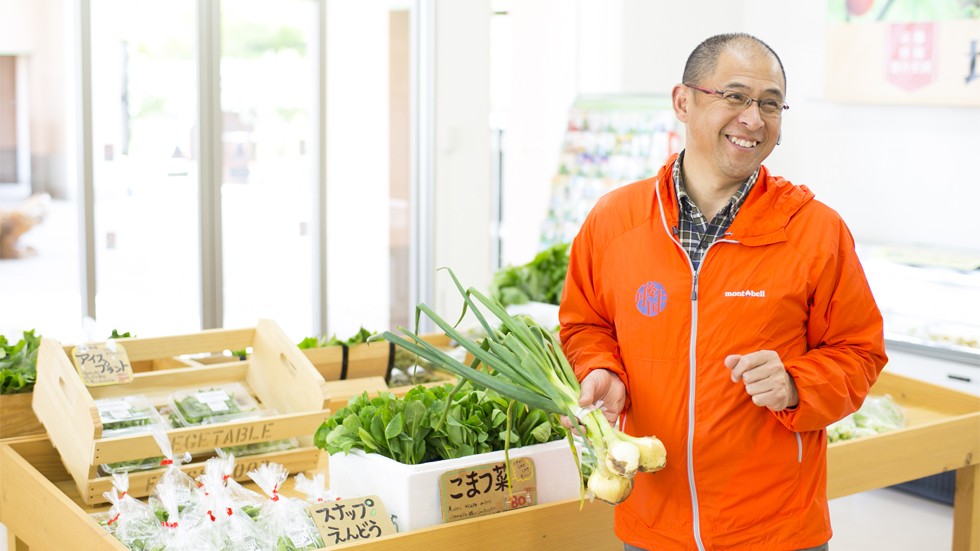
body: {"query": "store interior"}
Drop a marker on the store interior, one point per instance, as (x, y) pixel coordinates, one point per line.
(357, 147)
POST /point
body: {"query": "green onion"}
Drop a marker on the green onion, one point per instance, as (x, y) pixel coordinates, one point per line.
(529, 367)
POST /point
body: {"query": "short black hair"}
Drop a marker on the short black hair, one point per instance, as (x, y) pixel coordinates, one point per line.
(704, 58)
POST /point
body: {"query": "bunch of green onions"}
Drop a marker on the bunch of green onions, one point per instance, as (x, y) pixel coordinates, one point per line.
(526, 364)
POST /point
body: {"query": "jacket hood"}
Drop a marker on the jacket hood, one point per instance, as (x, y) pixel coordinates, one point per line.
(764, 215)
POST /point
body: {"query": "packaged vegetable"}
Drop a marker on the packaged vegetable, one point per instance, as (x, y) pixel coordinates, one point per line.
(283, 517)
(216, 404)
(177, 533)
(127, 416)
(255, 448)
(249, 501)
(130, 520)
(229, 528)
(173, 479)
(876, 415)
(315, 489)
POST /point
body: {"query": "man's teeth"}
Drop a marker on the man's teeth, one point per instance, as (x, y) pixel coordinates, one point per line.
(741, 142)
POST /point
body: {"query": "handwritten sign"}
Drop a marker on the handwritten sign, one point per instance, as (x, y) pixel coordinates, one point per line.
(483, 490)
(355, 519)
(101, 364)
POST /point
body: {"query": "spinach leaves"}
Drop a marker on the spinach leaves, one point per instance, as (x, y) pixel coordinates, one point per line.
(18, 363)
(540, 280)
(431, 424)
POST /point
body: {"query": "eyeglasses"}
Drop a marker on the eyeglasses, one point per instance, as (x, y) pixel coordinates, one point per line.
(737, 100)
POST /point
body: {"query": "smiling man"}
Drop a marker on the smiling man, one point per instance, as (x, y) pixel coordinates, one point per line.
(764, 329)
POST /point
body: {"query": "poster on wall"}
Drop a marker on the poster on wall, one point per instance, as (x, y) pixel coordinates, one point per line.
(911, 52)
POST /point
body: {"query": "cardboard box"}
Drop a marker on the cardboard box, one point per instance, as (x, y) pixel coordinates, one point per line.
(411, 492)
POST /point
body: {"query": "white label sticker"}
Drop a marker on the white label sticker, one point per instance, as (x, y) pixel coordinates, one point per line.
(216, 400)
(299, 537)
(117, 410)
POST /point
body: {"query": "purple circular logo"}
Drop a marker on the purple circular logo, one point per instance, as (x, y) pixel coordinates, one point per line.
(651, 298)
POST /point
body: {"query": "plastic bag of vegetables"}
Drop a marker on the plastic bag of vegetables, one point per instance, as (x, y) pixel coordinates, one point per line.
(876, 415)
(229, 527)
(284, 518)
(173, 479)
(129, 519)
(529, 367)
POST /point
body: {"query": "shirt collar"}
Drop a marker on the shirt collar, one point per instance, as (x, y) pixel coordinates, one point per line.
(685, 200)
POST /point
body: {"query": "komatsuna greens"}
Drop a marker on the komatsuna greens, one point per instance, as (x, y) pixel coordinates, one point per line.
(524, 362)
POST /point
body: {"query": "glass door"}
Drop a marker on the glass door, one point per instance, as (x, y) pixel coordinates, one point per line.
(144, 166)
(268, 93)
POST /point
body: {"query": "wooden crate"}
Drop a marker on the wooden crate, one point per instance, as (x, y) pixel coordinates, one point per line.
(16, 416)
(373, 359)
(276, 374)
(41, 508)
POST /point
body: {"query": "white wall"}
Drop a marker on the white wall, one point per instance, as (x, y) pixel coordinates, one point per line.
(897, 174)
(40, 31)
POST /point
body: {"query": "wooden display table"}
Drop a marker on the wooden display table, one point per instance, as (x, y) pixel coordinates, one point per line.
(41, 507)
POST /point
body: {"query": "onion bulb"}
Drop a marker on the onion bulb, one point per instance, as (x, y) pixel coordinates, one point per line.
(622, 457)
(609, 487)
(653, 454)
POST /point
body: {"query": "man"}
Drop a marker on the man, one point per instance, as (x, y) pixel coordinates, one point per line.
(723, 310)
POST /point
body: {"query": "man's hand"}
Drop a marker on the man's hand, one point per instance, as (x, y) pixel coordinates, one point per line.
(765, 378)
(602, 384)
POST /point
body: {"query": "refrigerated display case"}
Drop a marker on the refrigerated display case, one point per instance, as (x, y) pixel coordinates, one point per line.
(930, 302)
(929, 299)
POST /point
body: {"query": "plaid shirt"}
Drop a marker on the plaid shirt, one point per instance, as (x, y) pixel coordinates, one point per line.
(694, 231)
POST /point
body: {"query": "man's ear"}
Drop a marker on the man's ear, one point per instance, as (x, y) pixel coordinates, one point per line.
(679, 97)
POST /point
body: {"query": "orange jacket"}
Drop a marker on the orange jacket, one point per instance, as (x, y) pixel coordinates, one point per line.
(786, 278)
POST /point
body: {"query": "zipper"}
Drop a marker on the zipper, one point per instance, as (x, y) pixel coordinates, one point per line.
(692, 379)
(799, 448)
(692, 369)
(695, 515)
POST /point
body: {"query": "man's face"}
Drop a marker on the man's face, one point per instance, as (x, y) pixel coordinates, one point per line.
(726, 141)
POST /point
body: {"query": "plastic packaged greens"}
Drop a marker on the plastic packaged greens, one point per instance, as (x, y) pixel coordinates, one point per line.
(215, 404)
(249, 501)
(172, 478)
(262, 447)
(255, 448)
(126, 415)
(177, 533)
(315, 489)
(285, 518)
(229, 528)
(878, 414)
(131, 521)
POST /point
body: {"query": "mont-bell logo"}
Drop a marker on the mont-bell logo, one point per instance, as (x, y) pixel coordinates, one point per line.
(746, 293)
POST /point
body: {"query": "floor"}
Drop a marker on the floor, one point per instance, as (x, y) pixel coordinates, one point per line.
(869, 521)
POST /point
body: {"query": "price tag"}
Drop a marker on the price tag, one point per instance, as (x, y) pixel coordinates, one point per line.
(483, 490)
(355, 519)
(102, 363)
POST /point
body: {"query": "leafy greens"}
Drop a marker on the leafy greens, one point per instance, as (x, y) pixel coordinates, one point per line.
(540, 280)
(18, 363)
